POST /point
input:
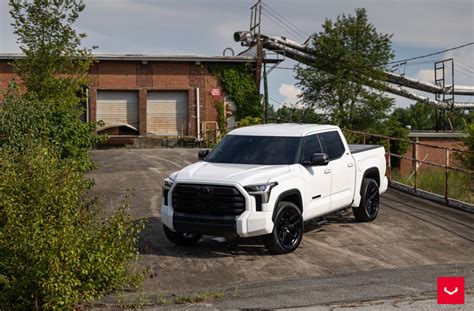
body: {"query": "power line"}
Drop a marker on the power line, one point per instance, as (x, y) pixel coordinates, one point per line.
(431, 54)
(268, 7)
(281, 25)
(285, 68)
(285, 22)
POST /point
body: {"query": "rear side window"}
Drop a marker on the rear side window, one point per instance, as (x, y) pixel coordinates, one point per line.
(332, 144)
(311, 145)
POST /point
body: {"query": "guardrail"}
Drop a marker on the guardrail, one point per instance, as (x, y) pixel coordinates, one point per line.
(439, 179)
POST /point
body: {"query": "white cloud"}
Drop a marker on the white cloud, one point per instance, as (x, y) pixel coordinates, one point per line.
(290, 93)
(425, 75)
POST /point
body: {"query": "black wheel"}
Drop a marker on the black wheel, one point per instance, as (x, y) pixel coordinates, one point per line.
(369, 204)
(287, 230)
(181, 238)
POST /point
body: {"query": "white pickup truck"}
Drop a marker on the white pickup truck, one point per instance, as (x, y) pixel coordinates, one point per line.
(267, 180)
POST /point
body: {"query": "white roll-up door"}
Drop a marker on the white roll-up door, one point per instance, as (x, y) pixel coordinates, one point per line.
(118, 108)
(167, 113)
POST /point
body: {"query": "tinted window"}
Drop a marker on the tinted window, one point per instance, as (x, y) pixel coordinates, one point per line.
(266, 150)
(311, 145)
(332, 144)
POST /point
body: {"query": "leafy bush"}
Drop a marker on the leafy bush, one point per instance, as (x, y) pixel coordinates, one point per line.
(221, 120)
(26, 119)
(54, 249)
(467, 159)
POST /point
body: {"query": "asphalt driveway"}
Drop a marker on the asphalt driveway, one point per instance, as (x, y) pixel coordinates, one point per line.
(409, 236)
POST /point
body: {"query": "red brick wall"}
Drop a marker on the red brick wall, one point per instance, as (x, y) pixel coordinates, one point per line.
(429, 154)
(6, 75)
(139, 76)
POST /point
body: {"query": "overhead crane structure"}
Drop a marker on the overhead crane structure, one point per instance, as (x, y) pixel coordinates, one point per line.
(394, 83)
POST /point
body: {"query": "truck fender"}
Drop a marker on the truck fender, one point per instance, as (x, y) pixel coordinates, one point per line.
(293, 195)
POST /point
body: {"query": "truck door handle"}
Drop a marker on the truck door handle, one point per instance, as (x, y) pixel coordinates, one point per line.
(350, 164)
(327, 171)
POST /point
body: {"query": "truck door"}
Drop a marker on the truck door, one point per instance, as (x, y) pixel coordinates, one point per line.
(343, 169)
(317, 181)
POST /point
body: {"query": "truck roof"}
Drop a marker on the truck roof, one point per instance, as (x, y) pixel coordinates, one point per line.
(282, 129)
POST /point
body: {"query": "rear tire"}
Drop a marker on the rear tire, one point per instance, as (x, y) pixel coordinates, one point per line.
(181, 238)
(369, 203)
(287, 230)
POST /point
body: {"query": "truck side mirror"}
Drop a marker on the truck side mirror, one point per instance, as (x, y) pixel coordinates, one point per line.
(319, 159)
(202, 154)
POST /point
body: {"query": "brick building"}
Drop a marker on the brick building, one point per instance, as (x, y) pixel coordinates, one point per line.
(432, 154)
(149, 95)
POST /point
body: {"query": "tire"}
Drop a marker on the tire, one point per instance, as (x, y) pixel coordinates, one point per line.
(181, 238)
(369, 203)
(287, 230)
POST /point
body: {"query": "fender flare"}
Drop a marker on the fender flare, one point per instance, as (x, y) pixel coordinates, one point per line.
(287, 193)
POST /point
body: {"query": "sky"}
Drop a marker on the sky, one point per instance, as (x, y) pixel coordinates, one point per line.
(206, 27)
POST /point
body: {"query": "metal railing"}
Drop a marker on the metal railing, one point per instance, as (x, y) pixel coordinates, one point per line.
(420, 180)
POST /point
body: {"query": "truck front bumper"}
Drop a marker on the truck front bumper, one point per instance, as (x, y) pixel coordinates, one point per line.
(247, 224)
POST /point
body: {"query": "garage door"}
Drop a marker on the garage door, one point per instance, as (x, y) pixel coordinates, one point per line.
(167, 113)
(118, 108)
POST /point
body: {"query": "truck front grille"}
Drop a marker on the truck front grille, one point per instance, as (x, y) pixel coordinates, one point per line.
(207, 200)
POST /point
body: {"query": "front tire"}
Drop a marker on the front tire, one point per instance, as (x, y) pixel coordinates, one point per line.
(181, 238)
(287, 230)
(369, 203)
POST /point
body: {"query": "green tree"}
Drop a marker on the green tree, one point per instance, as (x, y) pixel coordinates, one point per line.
(55, 64)
(349, 55)
(56, 250)
(419, 116)
(54, 70)
(296, 115)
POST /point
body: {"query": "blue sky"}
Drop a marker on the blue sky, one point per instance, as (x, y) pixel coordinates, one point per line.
(206, 26)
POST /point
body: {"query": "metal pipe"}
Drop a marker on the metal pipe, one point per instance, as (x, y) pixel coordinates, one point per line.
(301, 53)
(87, 105)
(446, 194)
(198, 115)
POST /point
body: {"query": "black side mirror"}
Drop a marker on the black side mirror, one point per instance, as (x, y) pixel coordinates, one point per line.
(202, 154)
(317, 159)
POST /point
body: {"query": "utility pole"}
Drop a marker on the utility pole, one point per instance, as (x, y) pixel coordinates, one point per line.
(265, 91)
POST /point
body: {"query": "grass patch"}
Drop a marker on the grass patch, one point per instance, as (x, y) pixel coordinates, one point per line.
(140, 300)
(198, 297)
(460, 184)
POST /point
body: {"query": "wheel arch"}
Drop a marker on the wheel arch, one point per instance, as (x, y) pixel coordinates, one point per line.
(293, 196)
(373, 173)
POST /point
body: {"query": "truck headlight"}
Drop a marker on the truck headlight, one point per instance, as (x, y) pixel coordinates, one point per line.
(167, 183)
(261, 190)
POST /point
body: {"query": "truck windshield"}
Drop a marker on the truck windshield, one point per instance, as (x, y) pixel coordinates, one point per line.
(263, 150)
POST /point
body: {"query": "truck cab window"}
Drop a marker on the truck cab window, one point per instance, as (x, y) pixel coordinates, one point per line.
(311, 145)
(332, 144)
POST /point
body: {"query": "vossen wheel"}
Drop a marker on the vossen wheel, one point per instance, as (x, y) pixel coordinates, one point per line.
(287, 231)
(369, 204)
(182, 238)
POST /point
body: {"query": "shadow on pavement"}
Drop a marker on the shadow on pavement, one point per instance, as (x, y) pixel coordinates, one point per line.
(152, 241)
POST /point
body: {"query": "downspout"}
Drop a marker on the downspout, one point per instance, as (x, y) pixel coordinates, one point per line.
(87, 105)
(198, 115)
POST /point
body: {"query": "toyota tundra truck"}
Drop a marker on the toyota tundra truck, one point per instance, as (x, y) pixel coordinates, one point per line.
(267, 180)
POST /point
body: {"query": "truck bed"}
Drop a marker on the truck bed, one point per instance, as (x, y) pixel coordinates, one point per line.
(356, 148)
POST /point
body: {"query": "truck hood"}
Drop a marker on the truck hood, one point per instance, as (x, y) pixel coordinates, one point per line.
(244, 174)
